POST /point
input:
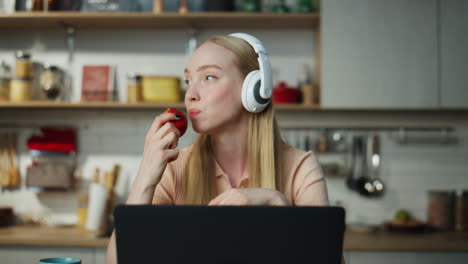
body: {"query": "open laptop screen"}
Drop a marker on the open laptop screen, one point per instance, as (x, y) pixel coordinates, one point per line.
(228, 234)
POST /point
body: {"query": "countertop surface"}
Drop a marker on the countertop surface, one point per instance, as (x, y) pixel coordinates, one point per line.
(354, 241)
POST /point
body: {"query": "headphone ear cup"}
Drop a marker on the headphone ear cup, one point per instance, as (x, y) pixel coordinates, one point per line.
(251, 93)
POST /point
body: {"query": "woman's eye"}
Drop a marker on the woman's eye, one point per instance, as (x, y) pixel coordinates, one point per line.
(187, 82)
(210, 77)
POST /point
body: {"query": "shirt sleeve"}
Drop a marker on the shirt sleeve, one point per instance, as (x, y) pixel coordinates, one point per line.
(309, 187)
(165, 190)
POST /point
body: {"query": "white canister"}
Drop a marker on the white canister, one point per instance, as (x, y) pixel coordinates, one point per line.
(96, 206)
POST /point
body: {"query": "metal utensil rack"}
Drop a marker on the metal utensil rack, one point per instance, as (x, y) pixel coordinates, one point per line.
(400, 134)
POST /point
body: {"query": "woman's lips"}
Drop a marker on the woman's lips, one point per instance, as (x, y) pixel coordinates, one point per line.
(193, 112)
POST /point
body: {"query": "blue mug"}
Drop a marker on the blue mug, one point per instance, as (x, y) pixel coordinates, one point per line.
(65, 260)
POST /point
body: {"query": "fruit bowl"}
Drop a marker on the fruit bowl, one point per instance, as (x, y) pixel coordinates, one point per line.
(410, 226)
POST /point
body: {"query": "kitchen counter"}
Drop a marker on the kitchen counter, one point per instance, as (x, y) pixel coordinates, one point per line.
(392, 241)
(49, 237)
(354, 241)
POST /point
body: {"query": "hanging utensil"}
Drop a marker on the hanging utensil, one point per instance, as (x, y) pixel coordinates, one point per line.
(375, 165)
(350, 180)
(363, 183)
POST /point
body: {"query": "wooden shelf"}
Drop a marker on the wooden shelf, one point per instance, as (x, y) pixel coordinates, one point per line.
(28, 20)
(116, 106)
(37, 105)
(33, 105)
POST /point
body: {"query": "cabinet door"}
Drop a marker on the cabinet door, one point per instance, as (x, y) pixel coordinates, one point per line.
(454, 53)
(379, 53)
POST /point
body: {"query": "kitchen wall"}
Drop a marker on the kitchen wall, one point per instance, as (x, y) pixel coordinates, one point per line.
(108, 137)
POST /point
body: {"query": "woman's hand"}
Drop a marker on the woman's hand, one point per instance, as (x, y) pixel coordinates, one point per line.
(160, 149)
(250, 196)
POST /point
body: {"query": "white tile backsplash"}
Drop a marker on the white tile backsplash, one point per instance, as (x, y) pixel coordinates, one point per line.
(409, 171)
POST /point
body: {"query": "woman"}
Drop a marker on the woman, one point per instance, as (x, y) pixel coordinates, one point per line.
(239, 157)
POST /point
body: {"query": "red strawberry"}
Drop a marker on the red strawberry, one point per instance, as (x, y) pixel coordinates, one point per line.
(182, 123)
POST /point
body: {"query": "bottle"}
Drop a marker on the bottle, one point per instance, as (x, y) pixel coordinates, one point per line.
(321, 144)
(134, 88)
(4, 81)
(82, 212)
(461, 211)
(158, 6)
(304, 6)
(251, 6)
(281, 7)
(37, 5)
(23, 67)
(183, 9)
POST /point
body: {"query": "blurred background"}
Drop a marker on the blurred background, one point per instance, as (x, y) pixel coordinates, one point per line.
(377, 89)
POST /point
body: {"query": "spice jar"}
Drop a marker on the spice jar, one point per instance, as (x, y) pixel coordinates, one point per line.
(461, 211)
(134, 93)
(4, 82)
(23, 65)
(441, 210)
(21, 89)
(51, 85)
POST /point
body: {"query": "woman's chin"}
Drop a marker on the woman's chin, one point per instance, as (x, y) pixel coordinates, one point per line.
(198, 129)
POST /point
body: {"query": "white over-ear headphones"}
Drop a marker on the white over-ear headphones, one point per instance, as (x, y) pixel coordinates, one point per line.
(257, 86)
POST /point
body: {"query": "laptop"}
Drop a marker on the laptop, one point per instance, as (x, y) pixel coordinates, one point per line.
(228, 234)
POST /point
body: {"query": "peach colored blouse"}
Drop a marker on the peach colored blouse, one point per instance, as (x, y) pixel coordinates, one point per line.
(303, 179)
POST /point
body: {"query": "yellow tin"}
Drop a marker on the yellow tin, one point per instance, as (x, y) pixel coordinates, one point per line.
(161, 89)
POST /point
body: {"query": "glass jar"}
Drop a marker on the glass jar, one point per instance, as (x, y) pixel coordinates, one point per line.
(134, 91)
(51, 85)
(251, 6)
(21, 89)
(461, 211)
(280, 7)
(23, 65)
(440, 213)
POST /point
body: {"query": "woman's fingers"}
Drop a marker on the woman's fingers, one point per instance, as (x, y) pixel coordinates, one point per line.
(159, 121)
(217, 199)
(230, 197)
(172, 154)
(169, 140)
(164, 131)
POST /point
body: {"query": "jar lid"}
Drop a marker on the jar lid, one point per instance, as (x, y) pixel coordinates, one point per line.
(52, 68)
(21, 54)
(133, 76)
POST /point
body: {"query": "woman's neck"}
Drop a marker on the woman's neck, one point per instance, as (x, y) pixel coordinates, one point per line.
(230, 151)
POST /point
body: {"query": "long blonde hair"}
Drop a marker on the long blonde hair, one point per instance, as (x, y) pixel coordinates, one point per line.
(264, 144)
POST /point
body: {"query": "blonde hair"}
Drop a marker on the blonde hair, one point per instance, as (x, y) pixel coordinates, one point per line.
(264, 144)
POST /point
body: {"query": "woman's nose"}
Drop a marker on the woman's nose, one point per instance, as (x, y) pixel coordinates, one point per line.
(191, 95)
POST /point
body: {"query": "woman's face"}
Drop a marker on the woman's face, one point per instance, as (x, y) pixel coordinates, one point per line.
(214, 83)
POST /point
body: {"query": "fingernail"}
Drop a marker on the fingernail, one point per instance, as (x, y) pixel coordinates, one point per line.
(178, 115)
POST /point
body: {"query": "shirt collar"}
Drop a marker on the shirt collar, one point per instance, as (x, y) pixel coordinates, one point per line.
(219, 172)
